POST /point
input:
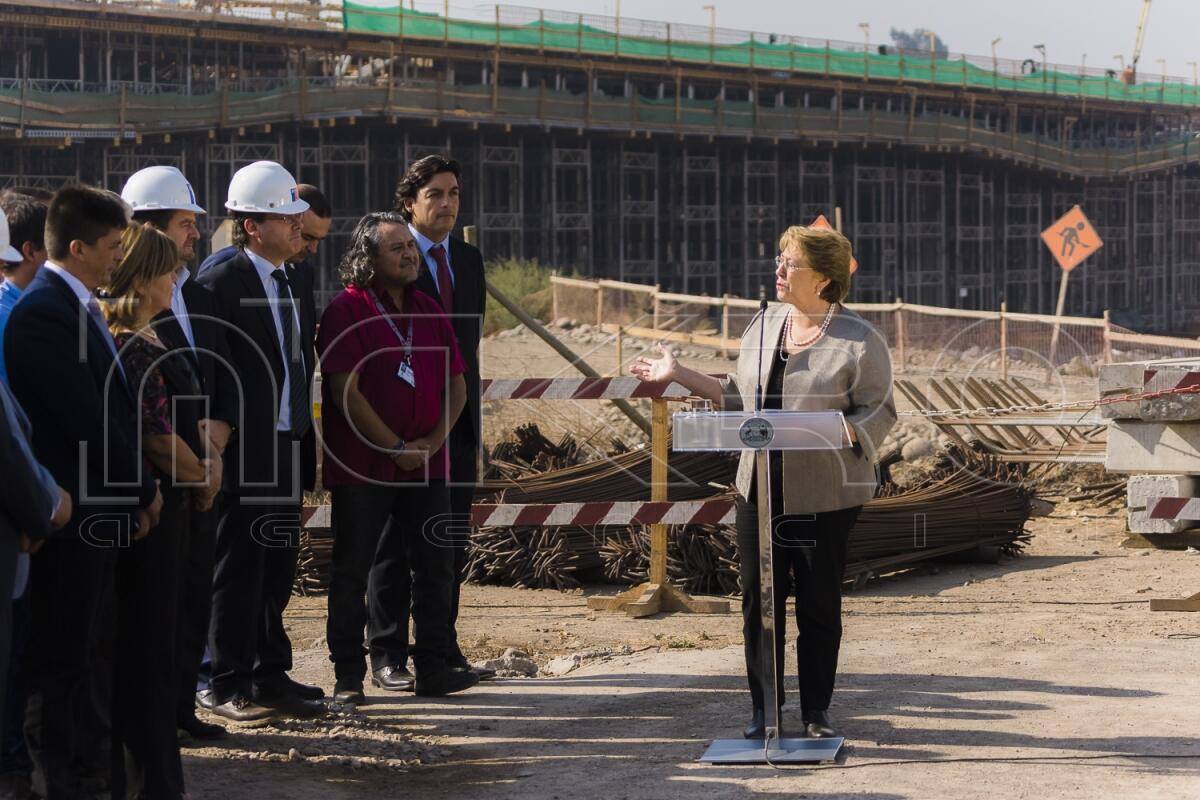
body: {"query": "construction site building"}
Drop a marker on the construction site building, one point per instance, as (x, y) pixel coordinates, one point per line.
(643, 152)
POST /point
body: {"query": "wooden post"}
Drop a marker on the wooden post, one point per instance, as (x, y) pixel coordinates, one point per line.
(658, 487)
(599, 304)
(553, 298)
(899, 316)
(725, 327)
(1058, 312)
(620, 358)
(1106, 353)
(1003, 340)
(837, 219)
(657, 310)
(657, 594)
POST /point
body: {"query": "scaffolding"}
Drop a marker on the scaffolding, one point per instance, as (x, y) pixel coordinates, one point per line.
(923, 233)
(699, 238)
(1185, 249)
(873, 229)
(638, 214)
(974, 244)
(501, 197)
(571, 207)
(761, 223)
(1026, 266)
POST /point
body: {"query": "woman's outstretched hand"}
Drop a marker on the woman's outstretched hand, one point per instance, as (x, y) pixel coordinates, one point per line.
(655, 370)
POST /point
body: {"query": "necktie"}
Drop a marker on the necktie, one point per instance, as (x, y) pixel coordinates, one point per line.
(93, 308)
(297, 383)
(445, 284)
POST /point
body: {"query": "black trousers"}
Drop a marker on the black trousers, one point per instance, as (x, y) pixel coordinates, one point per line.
(463, 474)
(195, 606)
(13, 756)
(388, 545)
(258, 537)
(145, 750)
(71, 588)
(8, 573)
(811, 551)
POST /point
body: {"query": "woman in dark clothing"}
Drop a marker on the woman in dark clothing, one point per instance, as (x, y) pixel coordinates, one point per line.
(144, 736)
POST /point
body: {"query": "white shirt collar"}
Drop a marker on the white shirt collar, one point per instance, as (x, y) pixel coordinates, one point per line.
(76, 285)
(264, 267)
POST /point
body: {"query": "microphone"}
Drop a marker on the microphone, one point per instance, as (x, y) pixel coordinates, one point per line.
(762, 327)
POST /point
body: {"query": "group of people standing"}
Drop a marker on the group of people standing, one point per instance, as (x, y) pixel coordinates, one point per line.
(159, 438)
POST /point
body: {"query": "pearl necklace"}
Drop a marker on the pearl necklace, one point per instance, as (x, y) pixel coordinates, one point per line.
(825, 326)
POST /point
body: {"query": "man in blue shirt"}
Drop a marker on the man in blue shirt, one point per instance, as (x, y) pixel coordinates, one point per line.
(26, 221)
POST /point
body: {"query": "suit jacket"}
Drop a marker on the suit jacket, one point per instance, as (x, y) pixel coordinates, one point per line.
(62, 373)
(470, 299)
(254, 351)
(849, 370)
(210, 358)
(28, 492)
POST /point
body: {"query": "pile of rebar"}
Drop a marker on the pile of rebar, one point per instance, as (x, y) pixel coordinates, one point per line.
(969, 502)
(313, 562)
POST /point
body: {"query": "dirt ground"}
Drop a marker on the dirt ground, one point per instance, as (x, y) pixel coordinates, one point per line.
(1041, 676)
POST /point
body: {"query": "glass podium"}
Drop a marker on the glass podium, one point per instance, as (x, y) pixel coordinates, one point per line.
(764, 432)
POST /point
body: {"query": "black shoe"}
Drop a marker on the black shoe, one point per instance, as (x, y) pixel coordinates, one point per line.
(817, 725)
(757, 728)
(284, 685)
(290, 705)
(241, 709)
(205, 699)
(444, 681)
(200, 730)
(349, 691)
(393, 679)
(460, 662)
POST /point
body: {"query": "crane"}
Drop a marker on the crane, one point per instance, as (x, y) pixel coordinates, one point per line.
(1129, 75)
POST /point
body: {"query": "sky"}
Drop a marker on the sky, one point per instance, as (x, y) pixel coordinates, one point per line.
(1068, 28)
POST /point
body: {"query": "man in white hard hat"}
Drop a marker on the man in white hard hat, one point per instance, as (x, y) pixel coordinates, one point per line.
(271, 459)
(162, 197)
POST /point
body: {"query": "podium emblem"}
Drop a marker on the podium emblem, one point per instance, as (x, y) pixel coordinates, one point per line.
(756, 432)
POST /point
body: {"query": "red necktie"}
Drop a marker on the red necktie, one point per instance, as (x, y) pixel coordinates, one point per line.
(445, 285)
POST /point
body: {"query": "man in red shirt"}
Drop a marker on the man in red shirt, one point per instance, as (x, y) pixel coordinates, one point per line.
(393, 388)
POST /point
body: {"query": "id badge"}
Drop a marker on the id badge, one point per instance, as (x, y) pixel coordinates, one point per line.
(405, 373)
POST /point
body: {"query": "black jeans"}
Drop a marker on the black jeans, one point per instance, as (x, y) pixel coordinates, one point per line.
(195, 606)
(388, 545)
(255, 566)
(463, 474)
(811, 550)
(145, 747)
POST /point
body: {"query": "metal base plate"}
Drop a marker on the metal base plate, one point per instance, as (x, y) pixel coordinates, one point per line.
(782, 751)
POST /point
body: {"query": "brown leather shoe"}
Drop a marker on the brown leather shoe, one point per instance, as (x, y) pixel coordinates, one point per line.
(242, 709)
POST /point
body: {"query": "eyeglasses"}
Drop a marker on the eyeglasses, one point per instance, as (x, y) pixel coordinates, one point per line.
(791, 266)
(291, 219)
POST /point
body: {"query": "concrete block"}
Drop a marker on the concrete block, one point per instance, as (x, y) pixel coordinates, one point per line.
(1143, 487)
(1153, 448)
(1119, 379)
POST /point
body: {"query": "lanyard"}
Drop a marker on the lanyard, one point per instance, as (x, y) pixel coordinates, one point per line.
(404, 340)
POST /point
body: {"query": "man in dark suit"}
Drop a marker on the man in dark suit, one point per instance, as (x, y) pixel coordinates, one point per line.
(62, 368)
(163, 198)
(428, 197)
(271, 458)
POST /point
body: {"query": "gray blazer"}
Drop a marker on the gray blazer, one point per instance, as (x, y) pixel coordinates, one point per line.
(848, 370)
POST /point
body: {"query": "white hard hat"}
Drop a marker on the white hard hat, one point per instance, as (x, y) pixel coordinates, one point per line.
(7, 251)
(264, 187)
(160, 189)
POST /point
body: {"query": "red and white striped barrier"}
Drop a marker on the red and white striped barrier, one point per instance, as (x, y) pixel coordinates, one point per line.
(625, 388)
(1173, 508)
(627, 512)
(1167, 378)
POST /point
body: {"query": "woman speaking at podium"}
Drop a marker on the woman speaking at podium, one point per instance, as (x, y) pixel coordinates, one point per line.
(816, 355)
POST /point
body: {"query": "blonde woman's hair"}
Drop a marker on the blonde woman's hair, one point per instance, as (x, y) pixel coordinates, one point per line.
(827, 252)
(149, 254)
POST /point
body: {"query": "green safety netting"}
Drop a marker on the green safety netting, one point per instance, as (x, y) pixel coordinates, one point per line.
(581, 38)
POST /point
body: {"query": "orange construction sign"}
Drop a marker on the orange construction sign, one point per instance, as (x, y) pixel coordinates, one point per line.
(1072, 239)
(821, 222)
